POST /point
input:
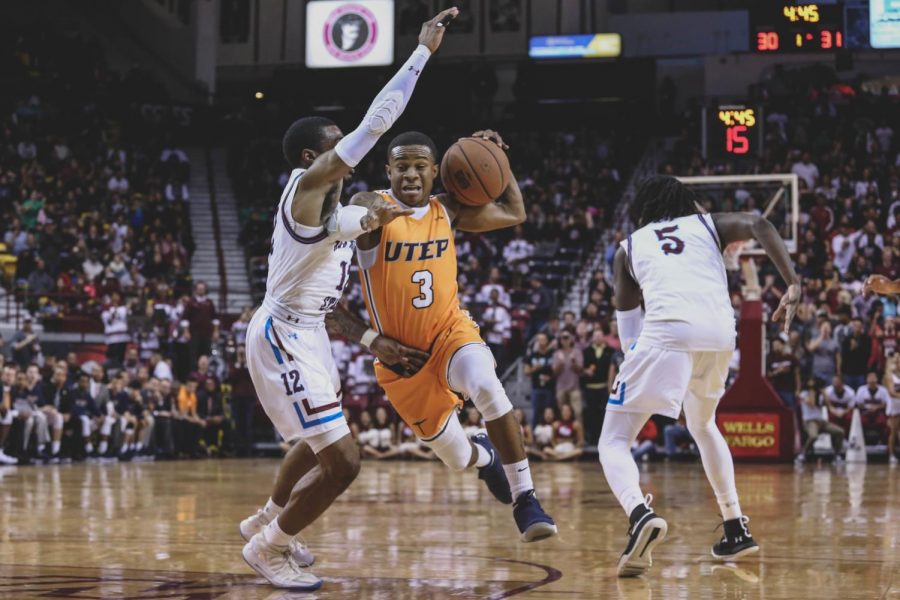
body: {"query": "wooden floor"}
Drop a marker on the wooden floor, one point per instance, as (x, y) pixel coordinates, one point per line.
(415, 530)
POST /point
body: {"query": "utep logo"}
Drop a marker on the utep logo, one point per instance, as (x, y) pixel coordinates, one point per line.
(350, 32)
(394, 251)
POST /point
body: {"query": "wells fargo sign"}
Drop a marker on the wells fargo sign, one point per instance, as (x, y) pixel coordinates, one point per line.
(751, 434)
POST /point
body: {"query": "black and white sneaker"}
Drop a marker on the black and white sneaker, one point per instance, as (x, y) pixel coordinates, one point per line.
(647, 530)
(736, 542)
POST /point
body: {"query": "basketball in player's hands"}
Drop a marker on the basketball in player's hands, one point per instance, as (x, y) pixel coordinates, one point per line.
(475, 171)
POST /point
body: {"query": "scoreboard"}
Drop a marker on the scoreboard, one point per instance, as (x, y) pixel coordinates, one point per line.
(796, 27)
(732, 131)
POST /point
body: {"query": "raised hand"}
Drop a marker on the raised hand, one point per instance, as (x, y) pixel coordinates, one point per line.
(490, 135)
(432, 33)
(382, 212)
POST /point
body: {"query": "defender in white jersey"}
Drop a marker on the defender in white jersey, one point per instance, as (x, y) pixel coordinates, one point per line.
(677, 350)
(288, 351)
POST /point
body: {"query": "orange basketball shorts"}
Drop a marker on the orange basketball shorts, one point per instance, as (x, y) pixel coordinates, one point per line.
(425, 400)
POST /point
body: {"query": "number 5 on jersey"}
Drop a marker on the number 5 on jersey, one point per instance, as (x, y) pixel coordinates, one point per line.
(426, 293)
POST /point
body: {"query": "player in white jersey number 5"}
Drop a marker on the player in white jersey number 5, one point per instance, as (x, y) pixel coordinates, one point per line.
(677, 351)
(288, 351)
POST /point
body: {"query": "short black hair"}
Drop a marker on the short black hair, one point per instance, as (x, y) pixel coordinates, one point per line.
(413, 138)
(304, 133)
(661, 198)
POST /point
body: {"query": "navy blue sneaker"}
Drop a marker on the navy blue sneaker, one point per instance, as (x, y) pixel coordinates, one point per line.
(492, 474)
(534, 524)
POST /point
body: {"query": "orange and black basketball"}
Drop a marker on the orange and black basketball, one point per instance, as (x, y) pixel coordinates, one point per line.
(475, 171)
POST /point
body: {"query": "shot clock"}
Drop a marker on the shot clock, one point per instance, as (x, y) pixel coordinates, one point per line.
(796, 27)
(732, 131)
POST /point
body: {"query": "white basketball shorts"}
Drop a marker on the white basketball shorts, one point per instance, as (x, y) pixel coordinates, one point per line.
(656, 381)
(296, 379)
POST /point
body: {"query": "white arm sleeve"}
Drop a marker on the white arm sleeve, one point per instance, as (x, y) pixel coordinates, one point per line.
(346, 222)
(630, 324)
(387, 106)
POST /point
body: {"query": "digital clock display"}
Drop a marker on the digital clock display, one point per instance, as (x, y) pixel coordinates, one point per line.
(732, 131)
(796, 27)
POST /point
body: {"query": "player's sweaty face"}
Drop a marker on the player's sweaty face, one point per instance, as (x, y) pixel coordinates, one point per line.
(412, 170)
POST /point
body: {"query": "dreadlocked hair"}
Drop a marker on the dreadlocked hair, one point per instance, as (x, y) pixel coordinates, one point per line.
(661, 198)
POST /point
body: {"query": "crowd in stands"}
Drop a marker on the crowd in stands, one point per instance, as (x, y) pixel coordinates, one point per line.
(839, 355)
(93, 197)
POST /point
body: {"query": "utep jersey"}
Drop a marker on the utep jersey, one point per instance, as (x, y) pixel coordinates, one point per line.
(307, 268)
(679, 267)
(409, 279)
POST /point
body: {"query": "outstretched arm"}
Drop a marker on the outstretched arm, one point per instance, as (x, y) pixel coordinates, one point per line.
(507, 211)
(391, 352)
(332, 166)
(881, 285)
(740, 227)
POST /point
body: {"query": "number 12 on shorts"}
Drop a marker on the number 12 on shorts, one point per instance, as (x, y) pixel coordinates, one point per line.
(425, 280)
(291, 381)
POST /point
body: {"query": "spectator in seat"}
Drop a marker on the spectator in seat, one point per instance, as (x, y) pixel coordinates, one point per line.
(164, 412)
(82, 417)
(674, 434)
(493, 283)
(783, 372)
(644, 446)
(888, 267)
(243, 403)
(26, 410)
(806, 170)
(54, 397)
(6, 413)
(872, 400)
(840, 399)
(190, 425)
(26, 346)
(567, 368)
(826, 353)
(543, 432)
(200, 312)
(843, 247)
(524, 427)
(211, 409)
(516, 255)
(855, 352)
(34, 396)
(568, 437)
(814, 424)
(39, 281)
(596, 376)
(539, 304)
(203, 372)
(539, 365)
(496, 326)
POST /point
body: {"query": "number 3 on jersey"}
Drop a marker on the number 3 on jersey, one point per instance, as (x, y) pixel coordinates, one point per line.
(426, 293)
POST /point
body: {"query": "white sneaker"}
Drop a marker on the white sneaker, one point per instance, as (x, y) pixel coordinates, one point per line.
(277, 565)
(7, 460)
(299, 550)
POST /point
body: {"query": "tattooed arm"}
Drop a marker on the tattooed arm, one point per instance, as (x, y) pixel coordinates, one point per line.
(342, 322)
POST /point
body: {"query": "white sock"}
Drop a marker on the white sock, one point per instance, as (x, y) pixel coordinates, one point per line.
(138, 446)
(731, 508)
(275, 536)
(54, 446)
(519, 476)
(484, 457)
(89, 447)
(40, 447)
(272, 510)
(103, 446)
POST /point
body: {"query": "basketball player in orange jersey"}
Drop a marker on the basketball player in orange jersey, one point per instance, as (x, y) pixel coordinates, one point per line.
(408, 271)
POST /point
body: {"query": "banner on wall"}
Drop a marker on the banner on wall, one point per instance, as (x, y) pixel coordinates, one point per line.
(751, 435)
(341, 33)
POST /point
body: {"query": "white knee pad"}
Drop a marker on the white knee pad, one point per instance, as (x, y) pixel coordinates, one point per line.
(471, 373)
(107, 425)
(86, 426)
(451, 445)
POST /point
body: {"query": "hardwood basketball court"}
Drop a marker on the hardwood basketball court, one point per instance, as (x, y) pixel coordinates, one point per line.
(416, 530)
